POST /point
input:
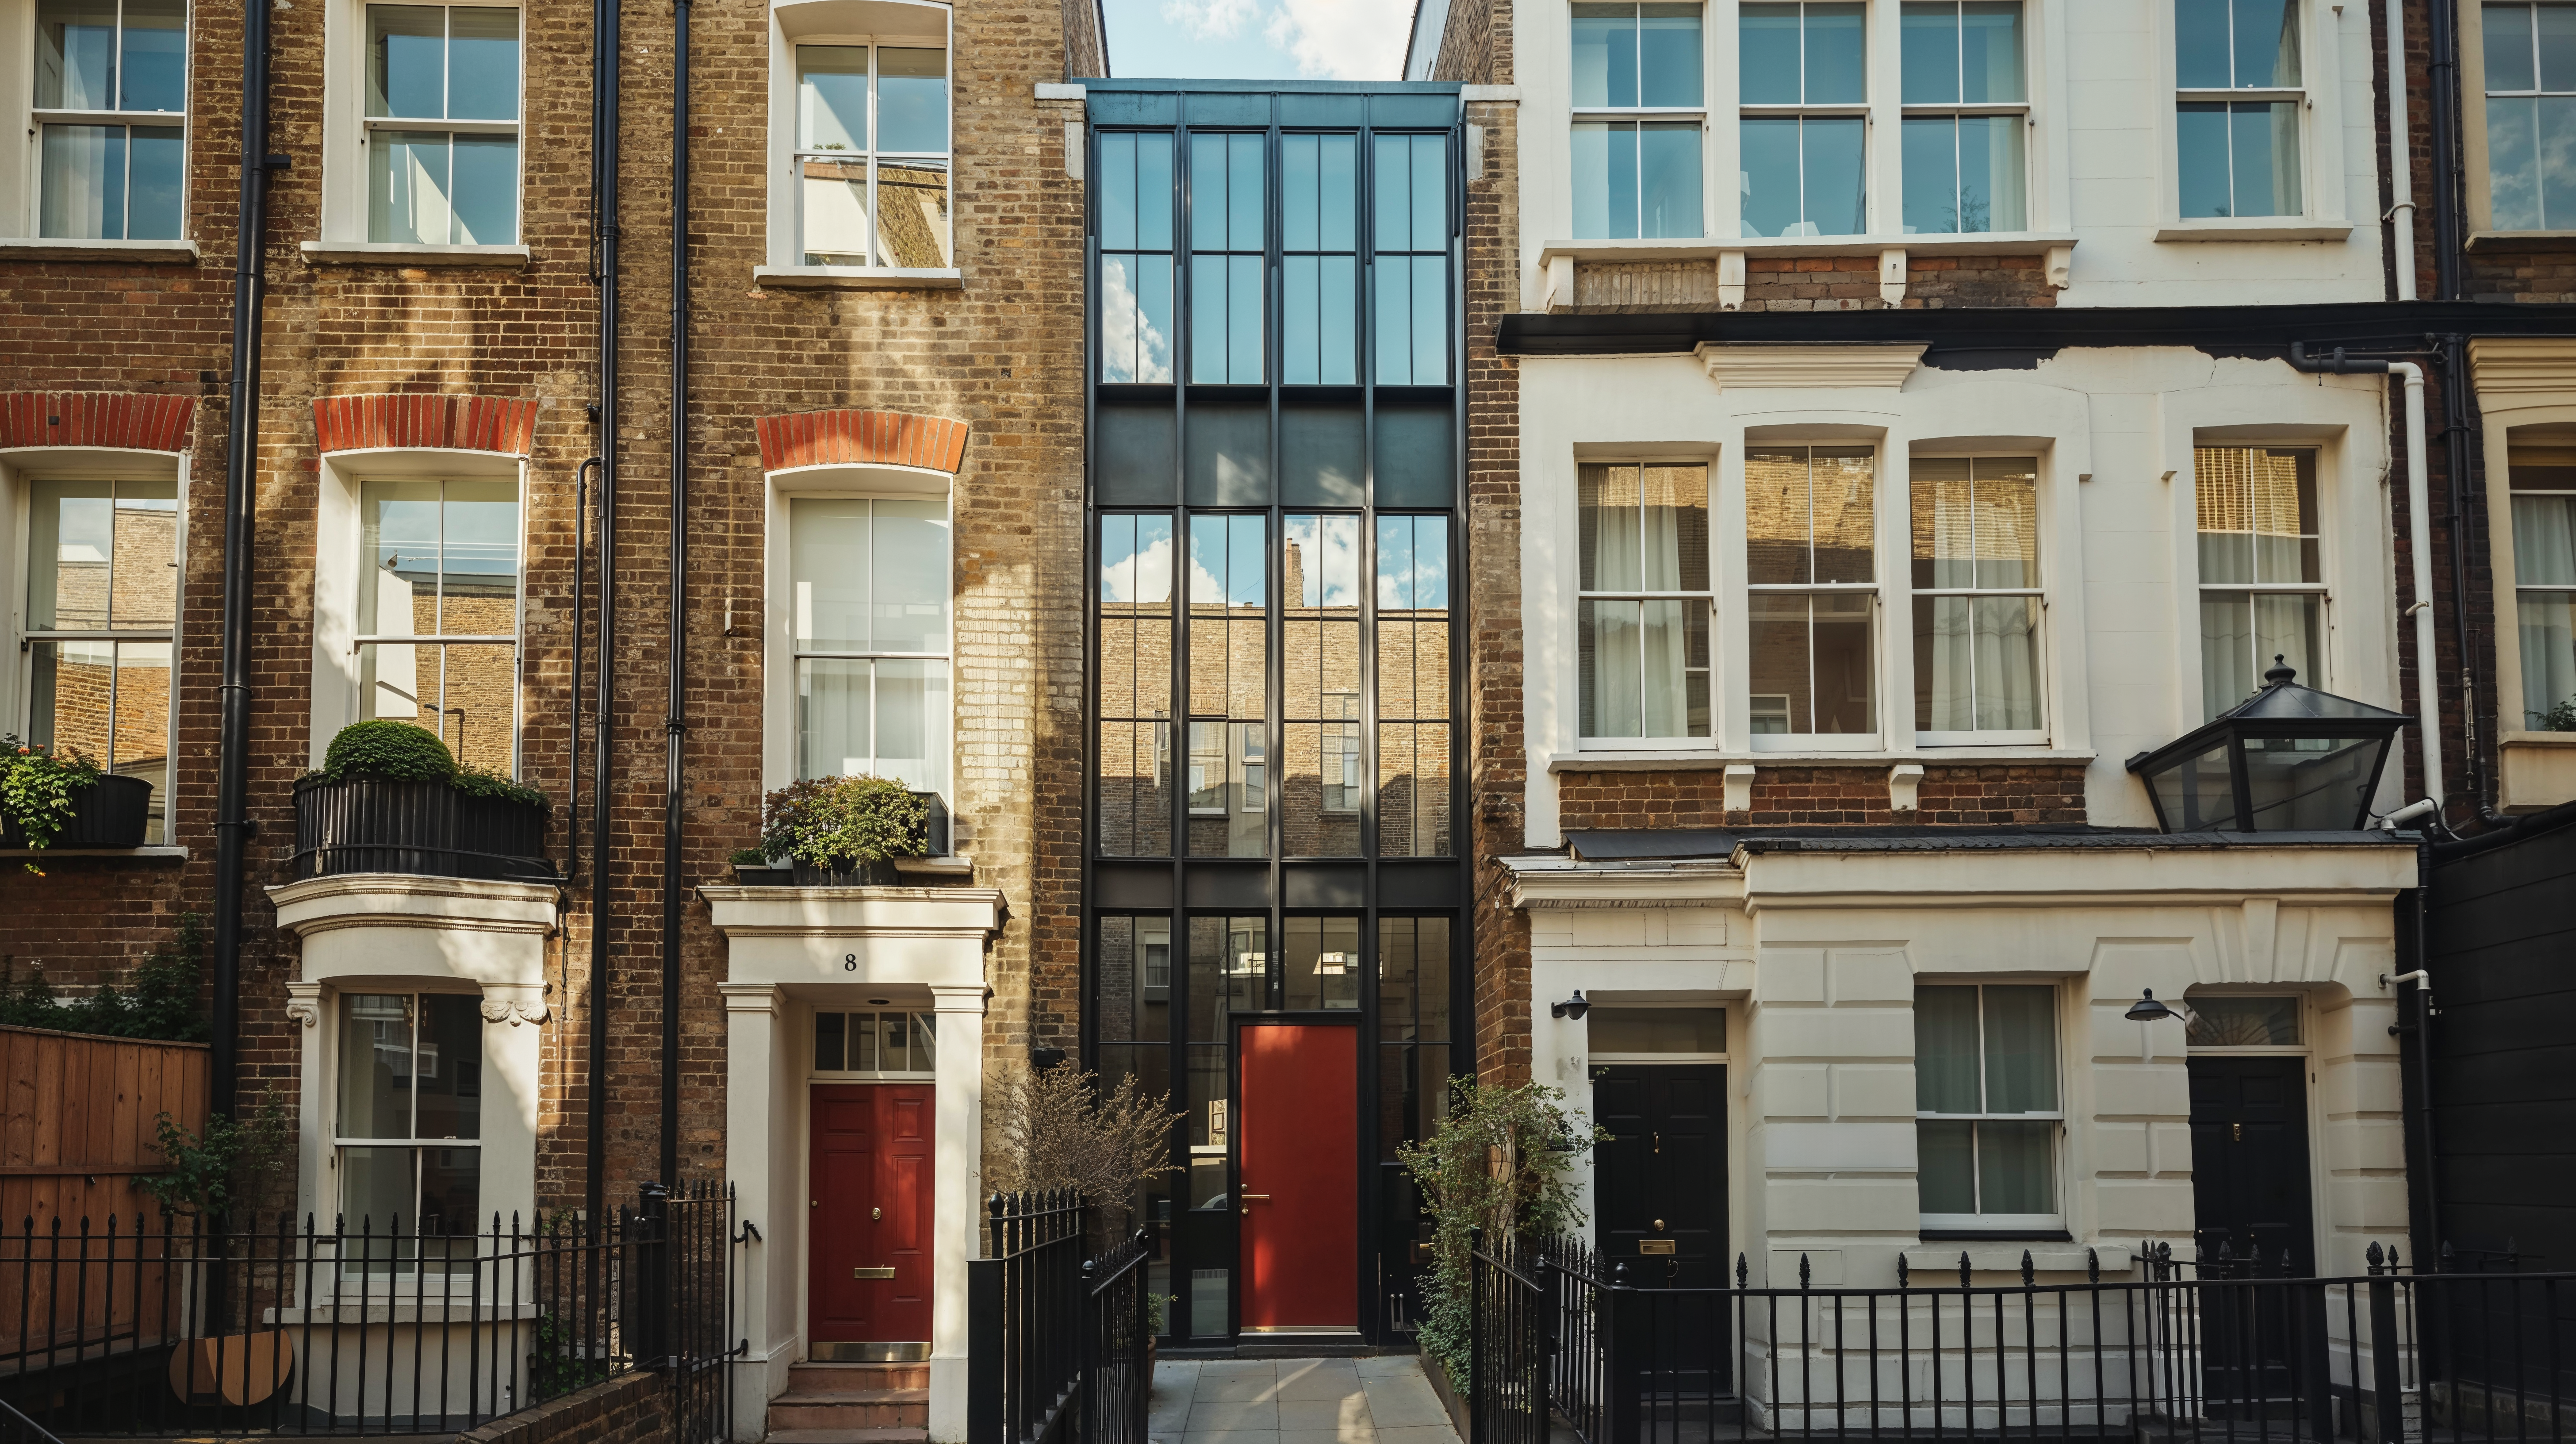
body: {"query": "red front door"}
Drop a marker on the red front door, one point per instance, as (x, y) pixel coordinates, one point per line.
(871, 1215)
(1301, 1188)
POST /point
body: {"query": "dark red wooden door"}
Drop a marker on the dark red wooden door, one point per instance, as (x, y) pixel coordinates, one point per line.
(871, 1214)
(1301, 1191)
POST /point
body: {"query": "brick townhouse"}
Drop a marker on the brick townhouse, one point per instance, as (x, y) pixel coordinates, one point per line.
(880, 468)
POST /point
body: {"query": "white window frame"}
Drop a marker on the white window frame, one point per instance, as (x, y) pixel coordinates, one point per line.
(780, 755)
(347, 129)
(1968, 109)
(2477, 157)
(517, 639)
(1642, 114)
(1876, 82)
(2042, 640)
(18, 474)
(335, 1145)
(2509, 543)
(1882, 692)
(2322, 192)
(18, 94)
(2058, 1151)
(1716, 640)
(370, 126)
(917, 1013)
(798, 653)
(2320, 676)
(897, 23)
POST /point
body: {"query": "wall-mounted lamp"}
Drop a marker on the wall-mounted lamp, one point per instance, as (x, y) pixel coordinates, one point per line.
(2147, 1009)
(1574, 1007)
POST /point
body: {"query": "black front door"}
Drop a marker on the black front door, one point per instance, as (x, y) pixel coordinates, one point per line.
(2251, 1220)
(1659, 1196)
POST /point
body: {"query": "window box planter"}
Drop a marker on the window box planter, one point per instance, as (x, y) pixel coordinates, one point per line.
(109, 813)
(876, 874)
(429, 829)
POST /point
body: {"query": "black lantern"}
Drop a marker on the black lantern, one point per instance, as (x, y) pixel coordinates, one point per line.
(2287, 759)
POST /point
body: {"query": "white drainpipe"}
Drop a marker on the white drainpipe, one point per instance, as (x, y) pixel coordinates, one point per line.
(2401, 192)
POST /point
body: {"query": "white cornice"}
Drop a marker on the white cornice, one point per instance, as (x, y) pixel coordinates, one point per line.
(402, 900)
(2502, 366)
(835, 912)
(1754, 366)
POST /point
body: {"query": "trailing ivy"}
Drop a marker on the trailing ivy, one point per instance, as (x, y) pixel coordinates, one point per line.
(159, 1001)
(1502, 1161)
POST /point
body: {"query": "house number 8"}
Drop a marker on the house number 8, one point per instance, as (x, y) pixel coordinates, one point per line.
(849, 962)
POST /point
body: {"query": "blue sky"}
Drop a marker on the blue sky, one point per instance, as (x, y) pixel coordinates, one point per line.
(1258, 39)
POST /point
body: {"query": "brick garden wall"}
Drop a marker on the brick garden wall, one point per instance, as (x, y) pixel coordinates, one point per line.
(629, 1409)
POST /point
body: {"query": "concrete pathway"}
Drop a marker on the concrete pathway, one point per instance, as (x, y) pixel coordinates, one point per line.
(1296, 1401)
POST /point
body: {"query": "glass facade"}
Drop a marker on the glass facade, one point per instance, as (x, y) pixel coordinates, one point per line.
(1274, 483)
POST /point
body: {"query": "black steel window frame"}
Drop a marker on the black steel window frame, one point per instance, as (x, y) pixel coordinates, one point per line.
(1279, 876)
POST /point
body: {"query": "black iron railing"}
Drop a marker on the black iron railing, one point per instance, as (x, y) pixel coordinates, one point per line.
(1618, 1352)
(1057, 1339)
(199, 1327)
(429, 829)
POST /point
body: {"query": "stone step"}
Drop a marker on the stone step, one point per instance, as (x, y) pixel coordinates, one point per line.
(806, 1378)
(914, 1435)
(850, 1409)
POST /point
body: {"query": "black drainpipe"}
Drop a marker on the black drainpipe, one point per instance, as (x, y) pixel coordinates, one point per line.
(603, 189)
(2443, 21)
(241, 461)
(674, 725)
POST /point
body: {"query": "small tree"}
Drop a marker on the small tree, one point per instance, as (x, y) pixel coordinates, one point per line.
(1503, 1162)
(1058, 1129)
(231, 1160)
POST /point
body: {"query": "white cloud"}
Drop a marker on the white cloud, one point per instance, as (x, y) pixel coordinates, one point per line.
(1339, 39)
(1211, 19)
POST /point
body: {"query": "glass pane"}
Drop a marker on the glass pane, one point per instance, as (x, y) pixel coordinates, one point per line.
(1992, 180)
(1845, 669)
(1605, 55)
(2007, 521)
(2228, 1022)
(1413, 978)
(76, 55)
(1767, 55)
(1929, 44)
(2004, 636)
(1673, 686)
(2200, 46)
(2286, 627)
(407, 60)
(82, 197)
(1321, 959)
(893, 1048)
(1776, 509)
(1836, 69)
(375, 1065)
(833, 712)
(1414, 790)
(68, 706)
(2013, 1172)
(1945, 1166)
(1608, 523)
(1668, 175)
(1136, 319)
(833, 196)
(828, 558)
(2545, 625)
(483, 64)
(73, 531)
(2227, 670)
(1321, 788)
(157, 159)
(1135, 978)
(1605, 180)
(1229, 974)
(2556, 25)
(1609, 658)
(913, 231)
(1830, 169)
(1777, 645)
(830, 1030)
(1207, 192)
(1990, 61)
(2310, 784)
(1669, 52)
(2557, 119)
(477, 702)
(1945, 1050)
(2263, 149)
(479, 553)
(831, 97)
(407, 187)
(925, 1042)
(1208, 1297)
(2197, 794)
(1656, 1030)
(2200, 159)
(2506, 32)
(1135, 773)
(1846, 526)
(377, 1197)
(912, 100)
(2513, 162)
(865, 1054)
(2267, 42)
(448, 1070)
(1931, 173)
(154, 66)
(2021, 1049)
(142, 741)
(909, 571)
(913, 723)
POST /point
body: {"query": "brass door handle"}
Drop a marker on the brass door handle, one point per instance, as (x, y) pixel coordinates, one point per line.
(886, 1272)
(2239, 1131)
(1265, 1198)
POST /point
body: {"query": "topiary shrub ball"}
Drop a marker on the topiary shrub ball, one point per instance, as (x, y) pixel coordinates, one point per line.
(394, 750)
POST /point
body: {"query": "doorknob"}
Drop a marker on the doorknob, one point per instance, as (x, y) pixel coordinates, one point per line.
(875, 1214)
(2239, 1130)
(1659, 1143)
(1659, 1225)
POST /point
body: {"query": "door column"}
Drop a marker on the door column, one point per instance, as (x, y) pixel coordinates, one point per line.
(761, 1121)
(958, 1213)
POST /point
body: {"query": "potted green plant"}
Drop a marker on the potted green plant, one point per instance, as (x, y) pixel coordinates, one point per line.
(844, 831)
(53, 796)
(389, 797)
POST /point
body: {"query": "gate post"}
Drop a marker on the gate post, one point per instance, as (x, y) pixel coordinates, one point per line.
(654, 1275)
(1619, 1382)
(2390, 1409)
(984, 1350)
(1479, 1373)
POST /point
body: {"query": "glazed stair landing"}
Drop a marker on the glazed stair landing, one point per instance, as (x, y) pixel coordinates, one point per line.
(853, 1404)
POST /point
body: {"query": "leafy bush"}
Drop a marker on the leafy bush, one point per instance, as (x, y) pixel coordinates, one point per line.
(37, 783)
(1502, 1161)
(844, 822)
(159, 1002)
(396, 751)
(1057, 1129)
(748, 857)
(2560, 718)
(478, 782)
(229, 1160)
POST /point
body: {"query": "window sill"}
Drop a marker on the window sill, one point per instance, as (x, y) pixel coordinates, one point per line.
(401, 253)
(2522, 241)
(1707, 248)
(1934, 1263)
(855, 278)
(1702, 760)
(2519, 737)
(2260, 228)
(33, 248)
(139, 854)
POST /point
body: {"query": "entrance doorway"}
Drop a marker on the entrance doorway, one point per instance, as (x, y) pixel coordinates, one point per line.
(1659, 1192)
(1299, 1175)
(869, 1223)
(2252, 1220)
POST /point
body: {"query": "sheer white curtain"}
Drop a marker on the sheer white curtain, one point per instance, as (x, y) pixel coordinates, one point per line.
(2544, 555)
